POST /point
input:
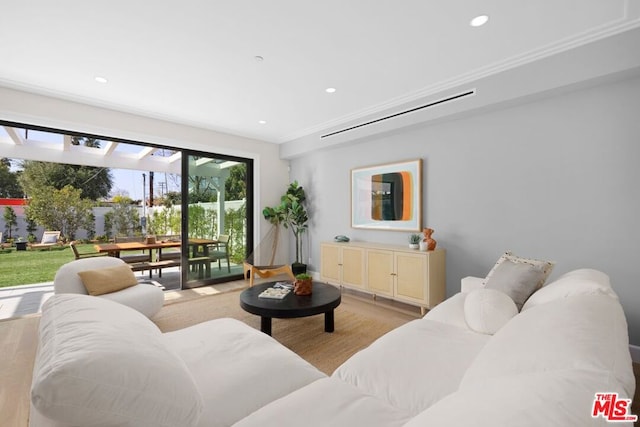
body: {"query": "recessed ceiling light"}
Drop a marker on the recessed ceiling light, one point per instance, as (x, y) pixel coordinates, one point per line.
(100, 79)
(258, 58)
(330, 90)
(262, 122)
(479, 21)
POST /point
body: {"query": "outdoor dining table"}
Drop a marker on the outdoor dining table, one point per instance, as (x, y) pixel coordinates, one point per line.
(198, 254)
(197, 245)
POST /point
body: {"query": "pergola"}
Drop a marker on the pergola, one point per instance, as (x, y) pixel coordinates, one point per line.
(16, 145)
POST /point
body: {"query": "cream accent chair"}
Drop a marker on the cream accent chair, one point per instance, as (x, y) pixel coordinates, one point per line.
(145, 298)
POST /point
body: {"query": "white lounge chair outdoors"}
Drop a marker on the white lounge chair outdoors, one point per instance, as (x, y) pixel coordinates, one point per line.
(49, 239)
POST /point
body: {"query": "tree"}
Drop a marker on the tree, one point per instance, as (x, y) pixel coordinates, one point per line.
(94, 183)
(32, 226)
(236, 184)
(86, 141)
(202, 222)
(201, 189)
(63, 209)
(90, 226)
(124, 217)
(10, 220)
(172, 198)
(9, 186)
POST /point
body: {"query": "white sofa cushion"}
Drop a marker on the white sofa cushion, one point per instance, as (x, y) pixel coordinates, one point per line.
(413, 366)
(145, 298)
(450, 311)
(488, 310)
(100, 361)
(324, 403)
(582, 332)
(237, 369)
(576, 282)
(558, 398)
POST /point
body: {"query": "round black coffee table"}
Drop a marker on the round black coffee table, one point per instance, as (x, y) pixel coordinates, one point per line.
(323, 299)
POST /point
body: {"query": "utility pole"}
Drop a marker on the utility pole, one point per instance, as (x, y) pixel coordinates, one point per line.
(150, 188)
(144, 204)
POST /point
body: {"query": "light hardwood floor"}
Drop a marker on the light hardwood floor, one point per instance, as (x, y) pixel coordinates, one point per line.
(18, 341)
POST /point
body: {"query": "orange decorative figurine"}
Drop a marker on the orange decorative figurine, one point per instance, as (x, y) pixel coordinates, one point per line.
(431, 243)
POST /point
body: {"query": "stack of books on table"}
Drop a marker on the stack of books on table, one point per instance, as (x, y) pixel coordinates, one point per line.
(274, 293)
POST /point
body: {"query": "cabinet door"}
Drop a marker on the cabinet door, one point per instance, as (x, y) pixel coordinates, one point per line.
(330, 263)
(353, 267)
(380, 272)
(411, 276)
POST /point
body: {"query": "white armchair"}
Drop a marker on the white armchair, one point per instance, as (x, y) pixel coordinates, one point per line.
(145, 298)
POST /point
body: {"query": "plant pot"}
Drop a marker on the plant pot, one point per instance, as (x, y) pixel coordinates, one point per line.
(302, 287)
(298, 268)
(414, 245)
(21, 246)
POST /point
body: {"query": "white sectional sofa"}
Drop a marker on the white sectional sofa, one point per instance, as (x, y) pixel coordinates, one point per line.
(540, 367)
(543, 367)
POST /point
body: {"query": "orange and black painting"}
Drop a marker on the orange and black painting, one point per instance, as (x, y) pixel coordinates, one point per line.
(391, 196)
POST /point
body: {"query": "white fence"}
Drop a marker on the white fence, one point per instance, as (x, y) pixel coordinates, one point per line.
(99, 213)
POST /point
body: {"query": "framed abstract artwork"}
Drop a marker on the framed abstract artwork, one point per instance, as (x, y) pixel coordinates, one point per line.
(387, 197)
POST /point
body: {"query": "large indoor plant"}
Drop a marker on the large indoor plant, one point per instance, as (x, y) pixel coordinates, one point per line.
(292, 214)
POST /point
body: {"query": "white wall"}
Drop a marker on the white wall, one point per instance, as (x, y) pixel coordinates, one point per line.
(271, 172)
(557, 179)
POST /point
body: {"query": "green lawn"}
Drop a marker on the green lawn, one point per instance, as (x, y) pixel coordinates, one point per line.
(37, 266)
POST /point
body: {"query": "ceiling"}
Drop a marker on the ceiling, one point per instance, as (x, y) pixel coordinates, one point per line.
(195, 61)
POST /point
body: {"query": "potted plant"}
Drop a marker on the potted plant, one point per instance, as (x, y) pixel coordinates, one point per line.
(303, 284)
(414, 241)
(292, 214)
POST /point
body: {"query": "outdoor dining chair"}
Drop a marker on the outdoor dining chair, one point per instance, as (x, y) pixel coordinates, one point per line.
(79, 255)
(220, 250)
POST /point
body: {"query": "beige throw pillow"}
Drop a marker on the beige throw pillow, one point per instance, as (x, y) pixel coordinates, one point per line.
(517, 280)
(546, 266)
(107, 280)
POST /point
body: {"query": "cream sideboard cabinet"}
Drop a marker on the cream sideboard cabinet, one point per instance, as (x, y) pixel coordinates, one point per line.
(342, 264)
(408, 275)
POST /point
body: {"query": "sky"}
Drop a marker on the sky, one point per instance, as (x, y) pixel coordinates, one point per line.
(131, 181)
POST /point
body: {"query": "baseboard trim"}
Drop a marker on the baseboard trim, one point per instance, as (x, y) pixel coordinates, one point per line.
(635, 353)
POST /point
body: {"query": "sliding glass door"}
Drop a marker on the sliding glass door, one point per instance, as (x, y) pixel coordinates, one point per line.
(217, 220)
